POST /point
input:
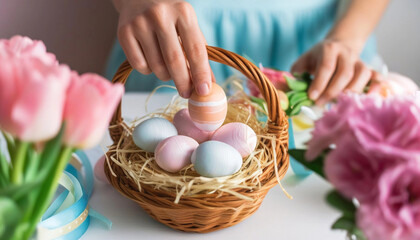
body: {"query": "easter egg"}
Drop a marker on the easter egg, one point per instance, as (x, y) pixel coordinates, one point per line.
(149, 133)
(238, 135)
(99, 170)
(186, 127)
(216, 159)
(208, 112)
(174, 153)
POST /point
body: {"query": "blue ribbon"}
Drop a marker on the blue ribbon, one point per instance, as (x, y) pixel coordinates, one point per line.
(67, 223)
(299, 170)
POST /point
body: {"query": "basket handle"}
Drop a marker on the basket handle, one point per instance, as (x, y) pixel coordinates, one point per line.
(277, 117)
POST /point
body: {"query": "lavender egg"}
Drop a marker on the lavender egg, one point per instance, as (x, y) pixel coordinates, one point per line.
(98, 170)
(174, 153)
(238, 135)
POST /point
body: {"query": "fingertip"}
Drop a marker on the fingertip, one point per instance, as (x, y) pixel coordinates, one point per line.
(185, 93)
(203, 88)
(321, 101)
(314, 94)
(202, 82)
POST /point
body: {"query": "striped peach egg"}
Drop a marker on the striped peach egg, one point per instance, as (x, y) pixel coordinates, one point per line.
(208, 112)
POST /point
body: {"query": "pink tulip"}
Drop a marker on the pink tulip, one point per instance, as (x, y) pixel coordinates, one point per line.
(396, 213)
(24, 47)
(32, 95)
(91, 101)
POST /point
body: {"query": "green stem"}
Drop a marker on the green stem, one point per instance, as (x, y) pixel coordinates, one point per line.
(18, 162)
(47, 190)
(32, 166)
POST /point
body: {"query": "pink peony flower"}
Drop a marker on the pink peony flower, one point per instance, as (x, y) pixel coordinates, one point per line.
(391, 126)
(332, 125)
(354, 171)
(396, 213)
(393, 84)
(276, 77)
(24, 47)
(91, 101)
(32, 95)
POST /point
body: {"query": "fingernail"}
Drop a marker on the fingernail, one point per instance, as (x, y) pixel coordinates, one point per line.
(314, 94)
(203, 89)
(185, 94)
(321, 101)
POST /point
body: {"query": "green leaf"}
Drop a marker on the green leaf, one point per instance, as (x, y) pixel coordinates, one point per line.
(344, 223)
(295, 110)
(290, 93)
(295, 84)
(316, 165)
(349, 224)
(297, 97)
(10, 215)
(16, 192)
(4, 171)
(257, 100)
(359, 234)
(10, 143)
(260, 102)
(306, 77)
(50, 153)
(341, 203)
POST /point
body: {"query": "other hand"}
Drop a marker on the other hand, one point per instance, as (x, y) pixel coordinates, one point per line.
(336, 68)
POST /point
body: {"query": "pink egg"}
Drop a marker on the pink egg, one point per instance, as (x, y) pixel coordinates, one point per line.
(99, 170)
(186, 127)
(208, 112)
(174, 153)
(239, 135)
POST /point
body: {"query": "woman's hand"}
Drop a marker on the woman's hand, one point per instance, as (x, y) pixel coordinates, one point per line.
(154, 35)
(336, 68)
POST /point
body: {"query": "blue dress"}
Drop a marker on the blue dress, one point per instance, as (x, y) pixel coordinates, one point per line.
(272, 32)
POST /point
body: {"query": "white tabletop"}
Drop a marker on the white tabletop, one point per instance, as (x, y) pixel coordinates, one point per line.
(305, 217)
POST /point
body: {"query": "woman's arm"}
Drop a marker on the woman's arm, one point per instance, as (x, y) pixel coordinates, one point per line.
(358, 22)
(335, 62)
(155, 35)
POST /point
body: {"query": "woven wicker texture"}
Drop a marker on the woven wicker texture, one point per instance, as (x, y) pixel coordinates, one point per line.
(206, 212)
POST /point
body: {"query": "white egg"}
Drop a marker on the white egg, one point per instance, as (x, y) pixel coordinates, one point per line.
(149, 133)
(216, 159)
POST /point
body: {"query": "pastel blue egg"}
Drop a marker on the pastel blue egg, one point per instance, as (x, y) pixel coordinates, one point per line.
(216, 159)
(149, 133)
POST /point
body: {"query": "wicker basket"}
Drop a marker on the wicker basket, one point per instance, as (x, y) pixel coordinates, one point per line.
(206, 212)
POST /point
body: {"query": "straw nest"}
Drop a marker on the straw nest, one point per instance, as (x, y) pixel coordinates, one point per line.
(142, 168)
